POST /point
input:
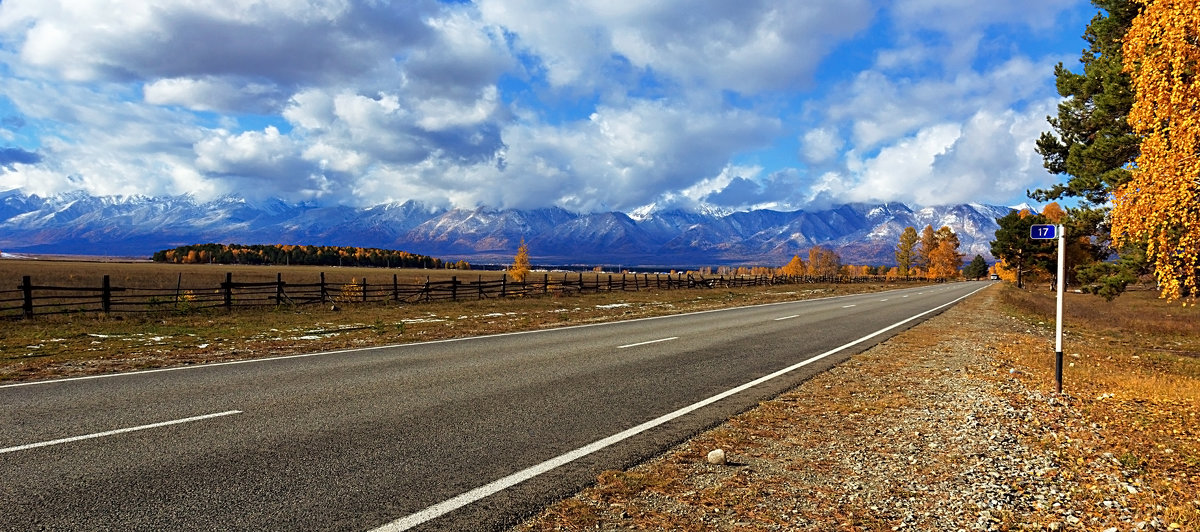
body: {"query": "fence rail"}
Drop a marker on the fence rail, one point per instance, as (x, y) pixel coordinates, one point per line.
(29, 300)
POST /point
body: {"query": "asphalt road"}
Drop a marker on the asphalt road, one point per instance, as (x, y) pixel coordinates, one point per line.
(469, 434)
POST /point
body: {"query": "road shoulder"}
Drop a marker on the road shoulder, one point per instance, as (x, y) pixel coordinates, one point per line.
(934, 429)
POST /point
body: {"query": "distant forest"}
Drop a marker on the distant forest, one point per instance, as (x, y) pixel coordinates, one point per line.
(301, 255)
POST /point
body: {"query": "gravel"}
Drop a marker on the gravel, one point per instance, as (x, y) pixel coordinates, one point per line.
(930, 430)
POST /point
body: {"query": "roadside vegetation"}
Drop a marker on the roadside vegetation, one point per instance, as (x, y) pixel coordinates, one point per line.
(92, 343)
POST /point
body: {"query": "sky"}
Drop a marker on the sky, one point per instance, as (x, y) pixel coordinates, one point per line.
(588, 105)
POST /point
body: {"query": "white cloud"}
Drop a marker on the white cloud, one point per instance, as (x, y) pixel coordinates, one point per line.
(989, 157)
(585, 104)
(820, 145)
(746, 46)
(213, 94)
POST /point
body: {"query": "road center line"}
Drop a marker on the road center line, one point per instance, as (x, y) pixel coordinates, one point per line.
(117, 431)
(496, 486)
(787, 317)
(647, 343)
(849, 306)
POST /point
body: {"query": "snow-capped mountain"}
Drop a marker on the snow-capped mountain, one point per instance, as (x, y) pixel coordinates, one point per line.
(76, 223)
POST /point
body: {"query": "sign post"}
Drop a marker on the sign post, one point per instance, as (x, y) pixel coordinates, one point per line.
(1047, 232)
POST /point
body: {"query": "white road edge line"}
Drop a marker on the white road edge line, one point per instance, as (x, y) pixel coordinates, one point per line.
(117, 431)
(648, 343)
(787, 317)
(496, 486)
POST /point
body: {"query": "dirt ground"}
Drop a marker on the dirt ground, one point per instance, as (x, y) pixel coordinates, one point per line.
(952, 425)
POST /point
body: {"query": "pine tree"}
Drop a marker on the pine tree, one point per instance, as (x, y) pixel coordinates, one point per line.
(1092, 142)
(1013, 247)
(977, 269)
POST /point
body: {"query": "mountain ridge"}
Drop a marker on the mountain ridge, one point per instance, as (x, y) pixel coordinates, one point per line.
(863, 233)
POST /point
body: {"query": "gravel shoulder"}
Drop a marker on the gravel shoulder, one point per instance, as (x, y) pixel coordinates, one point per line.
(943, 427)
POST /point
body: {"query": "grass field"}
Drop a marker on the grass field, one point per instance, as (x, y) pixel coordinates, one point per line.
(91, 342)
(168, 276)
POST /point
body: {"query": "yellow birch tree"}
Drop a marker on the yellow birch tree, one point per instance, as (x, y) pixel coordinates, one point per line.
(1160, 206)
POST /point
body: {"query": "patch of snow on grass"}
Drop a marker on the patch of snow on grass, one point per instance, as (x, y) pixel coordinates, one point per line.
(614, 305)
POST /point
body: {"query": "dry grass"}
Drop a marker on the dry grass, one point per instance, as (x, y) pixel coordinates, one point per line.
(1133, 365)
(90, 343)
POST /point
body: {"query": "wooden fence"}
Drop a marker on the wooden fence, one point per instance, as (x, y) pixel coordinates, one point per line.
(29, 299)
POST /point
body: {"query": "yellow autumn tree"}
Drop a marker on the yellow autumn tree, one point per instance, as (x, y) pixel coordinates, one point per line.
(793, 268)
(945, 259)
(1160, 205)
(520, 265)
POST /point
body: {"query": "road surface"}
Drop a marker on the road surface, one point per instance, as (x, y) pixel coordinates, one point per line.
(469, 434)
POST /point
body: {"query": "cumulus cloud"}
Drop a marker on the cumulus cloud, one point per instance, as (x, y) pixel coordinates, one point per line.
(214, 94)
(585, 104)
(989, 157)
(622, 158)
(745, 46)
(820, 145)
(291, 42)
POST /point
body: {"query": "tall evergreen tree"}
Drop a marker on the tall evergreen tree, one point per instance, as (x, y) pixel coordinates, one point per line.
(1092, 140)
(1093, 143)
(1014, 246)
(977, 269)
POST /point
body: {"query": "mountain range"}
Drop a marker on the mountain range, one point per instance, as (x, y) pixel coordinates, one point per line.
(137, 226)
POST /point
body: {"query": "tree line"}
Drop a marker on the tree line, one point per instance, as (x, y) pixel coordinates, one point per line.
(301, 255)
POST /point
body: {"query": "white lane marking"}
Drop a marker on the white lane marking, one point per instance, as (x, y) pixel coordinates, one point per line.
(117, 431)
(787, 317)
(849, 306)
(882, 300)
(496, 486)
(905, 295)
(648, 343)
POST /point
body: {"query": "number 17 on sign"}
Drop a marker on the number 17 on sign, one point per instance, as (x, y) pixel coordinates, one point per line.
(1043, 232)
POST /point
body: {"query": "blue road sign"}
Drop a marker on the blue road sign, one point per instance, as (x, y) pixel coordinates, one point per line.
(1043, 231)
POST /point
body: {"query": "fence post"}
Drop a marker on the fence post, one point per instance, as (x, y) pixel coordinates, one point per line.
(27, 290)
(545, 283)
(480, 286)
(324, 296)
(454, 288)
(395, 288)
(503, 285)
(425, 289)
(228, 288)
(364, 289)
(278, 289)
(106, 294)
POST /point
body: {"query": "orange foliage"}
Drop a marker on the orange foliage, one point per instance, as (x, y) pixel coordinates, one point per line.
(1160, 205)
